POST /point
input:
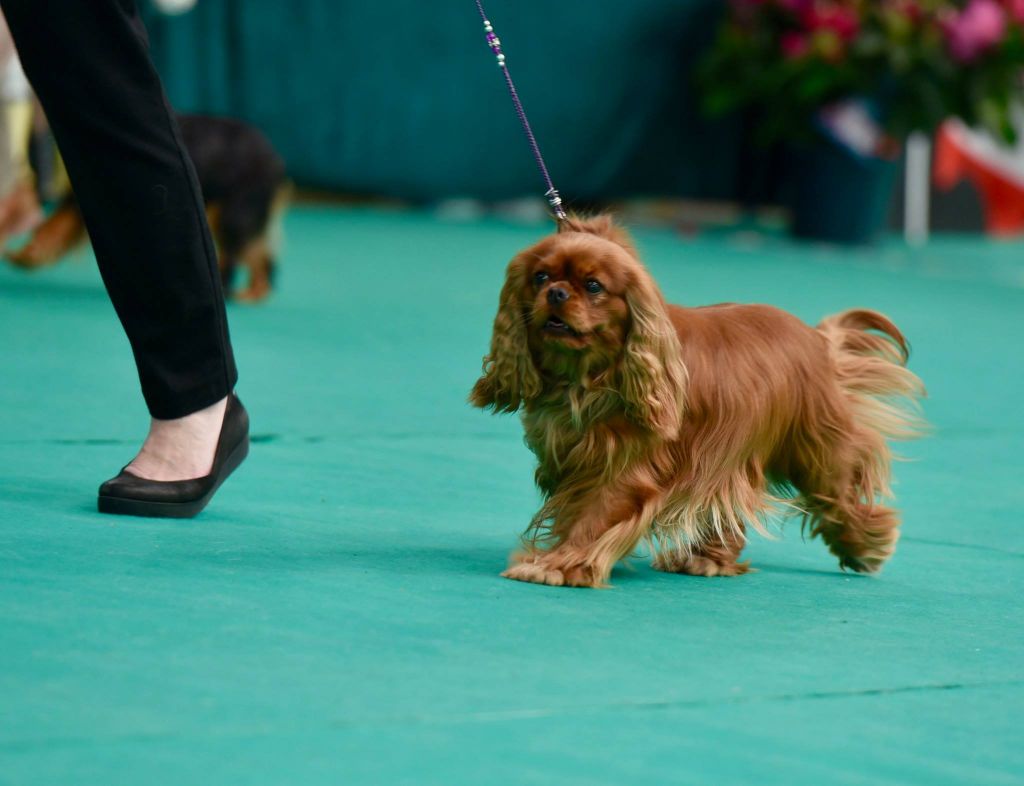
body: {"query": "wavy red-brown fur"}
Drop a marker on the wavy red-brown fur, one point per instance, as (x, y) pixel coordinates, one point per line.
(682, 426)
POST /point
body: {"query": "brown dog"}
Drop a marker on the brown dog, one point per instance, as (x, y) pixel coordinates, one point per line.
(682, 426)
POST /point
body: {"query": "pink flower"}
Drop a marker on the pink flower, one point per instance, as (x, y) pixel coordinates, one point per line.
(794, 45)
(975, 30)
(844, 22)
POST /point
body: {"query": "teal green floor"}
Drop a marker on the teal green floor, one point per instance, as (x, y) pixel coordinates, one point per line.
(336, 615)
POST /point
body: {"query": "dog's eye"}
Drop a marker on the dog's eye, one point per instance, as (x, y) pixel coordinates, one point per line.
(593, 286)
(540, 277)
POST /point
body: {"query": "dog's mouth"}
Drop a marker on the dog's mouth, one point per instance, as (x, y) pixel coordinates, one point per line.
(558, 327)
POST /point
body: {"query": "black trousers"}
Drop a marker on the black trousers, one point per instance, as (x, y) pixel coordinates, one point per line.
(89, 63)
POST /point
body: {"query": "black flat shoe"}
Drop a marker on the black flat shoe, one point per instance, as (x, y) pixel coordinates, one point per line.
(130, 495)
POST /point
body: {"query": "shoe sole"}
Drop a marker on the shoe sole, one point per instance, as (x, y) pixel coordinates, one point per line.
(122, 506)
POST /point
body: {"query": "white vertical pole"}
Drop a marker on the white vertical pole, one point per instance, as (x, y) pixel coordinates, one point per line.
(917, 189)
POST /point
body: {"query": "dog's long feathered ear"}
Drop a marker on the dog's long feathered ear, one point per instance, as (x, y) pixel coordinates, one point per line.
(603, 226)
(652, 376)
(509, 377)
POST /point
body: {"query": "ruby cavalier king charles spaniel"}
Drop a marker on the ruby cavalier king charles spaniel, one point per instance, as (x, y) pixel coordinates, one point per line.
(681, 427)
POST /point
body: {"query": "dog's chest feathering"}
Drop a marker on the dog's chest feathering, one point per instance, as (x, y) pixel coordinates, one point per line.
(583, 434)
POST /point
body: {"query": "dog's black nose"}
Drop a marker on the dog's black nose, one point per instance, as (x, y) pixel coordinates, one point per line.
(557, 296)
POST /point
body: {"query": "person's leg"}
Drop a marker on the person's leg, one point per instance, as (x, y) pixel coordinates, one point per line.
(89, 63)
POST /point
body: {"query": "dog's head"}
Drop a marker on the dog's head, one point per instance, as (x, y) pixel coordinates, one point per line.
(579, 307)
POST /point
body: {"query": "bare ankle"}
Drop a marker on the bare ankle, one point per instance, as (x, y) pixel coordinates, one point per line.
(182, 448)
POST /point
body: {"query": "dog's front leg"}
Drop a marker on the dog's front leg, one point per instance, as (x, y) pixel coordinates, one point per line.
(591, 536)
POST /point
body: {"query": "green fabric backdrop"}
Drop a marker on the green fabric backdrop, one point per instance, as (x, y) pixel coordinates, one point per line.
(404, 98)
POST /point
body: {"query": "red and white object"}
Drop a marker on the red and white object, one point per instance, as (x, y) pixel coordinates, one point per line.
(995, 169)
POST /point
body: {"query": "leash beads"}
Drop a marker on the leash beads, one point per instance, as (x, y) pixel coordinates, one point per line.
(553, 197)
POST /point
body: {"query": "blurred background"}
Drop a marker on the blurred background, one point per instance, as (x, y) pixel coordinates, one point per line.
(834, 120)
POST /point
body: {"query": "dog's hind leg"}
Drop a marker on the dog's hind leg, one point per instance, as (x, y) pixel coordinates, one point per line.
(840, 495)
(844, 472)
(861, 533)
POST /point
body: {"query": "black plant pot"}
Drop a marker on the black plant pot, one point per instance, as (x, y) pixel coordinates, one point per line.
(838, 196)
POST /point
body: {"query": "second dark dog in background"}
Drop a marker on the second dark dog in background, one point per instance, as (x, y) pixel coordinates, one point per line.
(245, 188)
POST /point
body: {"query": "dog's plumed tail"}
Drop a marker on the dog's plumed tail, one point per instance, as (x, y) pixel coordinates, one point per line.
(869, 356)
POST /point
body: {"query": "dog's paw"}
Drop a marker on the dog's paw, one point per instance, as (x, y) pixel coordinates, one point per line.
(543, 571)
(863, 559)
(535, 573)
(699, 565)
(862, 564)
(28, 258)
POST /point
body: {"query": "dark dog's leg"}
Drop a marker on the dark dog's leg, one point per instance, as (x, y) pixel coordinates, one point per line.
(258, 262)
(51, 240)
(245, 229)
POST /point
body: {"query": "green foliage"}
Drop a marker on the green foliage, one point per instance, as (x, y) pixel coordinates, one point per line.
(919, 61)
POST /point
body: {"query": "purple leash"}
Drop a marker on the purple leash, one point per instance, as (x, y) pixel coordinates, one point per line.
(552, 193)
